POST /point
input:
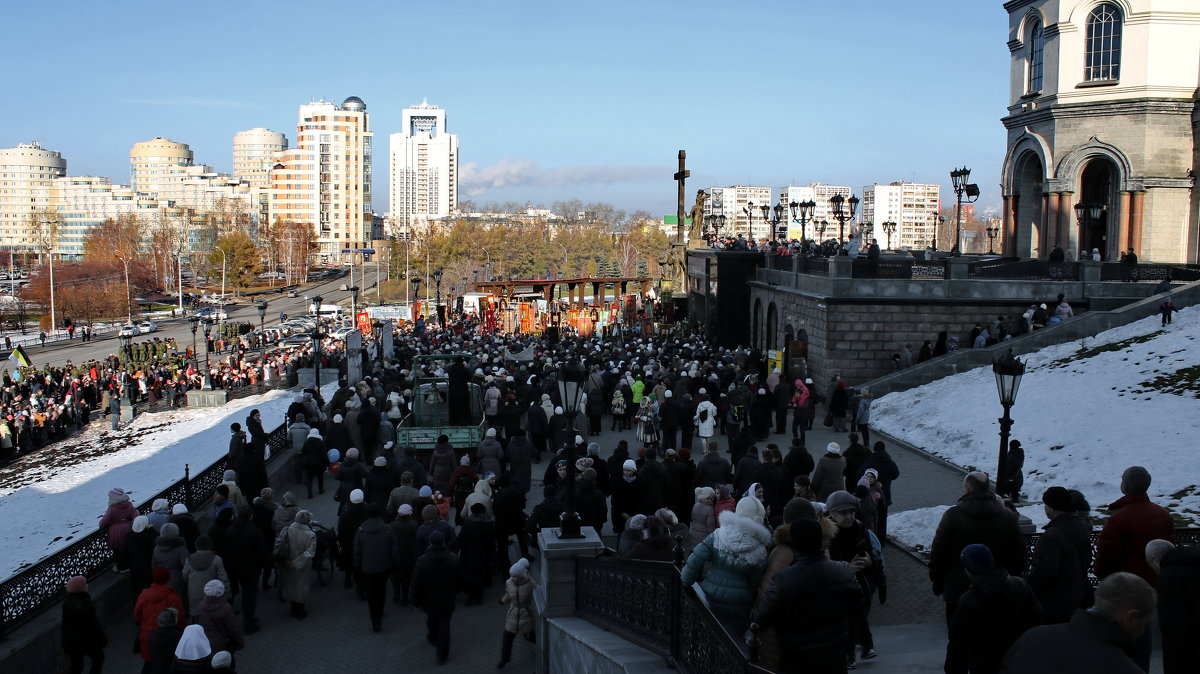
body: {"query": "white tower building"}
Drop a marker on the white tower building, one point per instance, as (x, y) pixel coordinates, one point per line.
(27, 174)
(424, 168)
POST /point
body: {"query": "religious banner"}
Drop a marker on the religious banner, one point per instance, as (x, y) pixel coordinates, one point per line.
(363, 320)
(528, 317)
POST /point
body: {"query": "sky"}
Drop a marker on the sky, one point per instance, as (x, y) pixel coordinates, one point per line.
(550, 100)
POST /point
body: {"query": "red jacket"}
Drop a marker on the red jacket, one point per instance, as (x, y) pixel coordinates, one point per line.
(152, 601)
(1135, 521)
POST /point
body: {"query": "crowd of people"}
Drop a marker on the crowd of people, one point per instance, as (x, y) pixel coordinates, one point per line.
(784, 544)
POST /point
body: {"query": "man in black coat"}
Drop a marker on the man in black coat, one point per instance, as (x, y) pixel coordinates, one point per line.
(245, 553)
(668, 419)
(978, 517)
(808, 604)
(437, 580)
(712, 469)
(1058, 570)
(1178, 570)
(1095, 640)
(654, 483)
(83, 635)
(458, 396)
(375, 553)
(798, 461)
(887, 471)
(991, 616)
(743, 474)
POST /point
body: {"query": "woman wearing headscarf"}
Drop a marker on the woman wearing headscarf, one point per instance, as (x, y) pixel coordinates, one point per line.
(150, 603)
(193, 652)
(298, 543)
(215, 615)
(118, 519)
(252, 468)
(518, 595)
(626, 496)
(138, 552)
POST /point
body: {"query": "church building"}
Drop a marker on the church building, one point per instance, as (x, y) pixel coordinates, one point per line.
(1103, 128)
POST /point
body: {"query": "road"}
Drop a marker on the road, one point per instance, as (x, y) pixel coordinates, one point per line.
(180, 328)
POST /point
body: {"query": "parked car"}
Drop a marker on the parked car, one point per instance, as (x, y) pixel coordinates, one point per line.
(293, 293)
(128, 331)
(147, 326)
(341, 331)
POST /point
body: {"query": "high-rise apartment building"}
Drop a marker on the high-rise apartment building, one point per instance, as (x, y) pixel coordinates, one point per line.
(736, 203)
(912, 206)
(85, 202)
(27, 174)
(822, 215)
(424, 168)
(254, 154)
(150, 161)
(325, 180)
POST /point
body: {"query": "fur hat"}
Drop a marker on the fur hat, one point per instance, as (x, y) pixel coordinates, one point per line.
(1135, 480)
(405, 509)
(140, 523)
(751, 508)
(179, 509)
(333, 455)
(337, 418)
(430, 513)
(214, 588)
(465, 460)
(116, 495)
(520, 569)
(425, 491)
(705, 493)
(222, 660)
(629, 464)
(491, 433)
(352, 453)
(381, 462)
(798, 509)
(356, 496)
(229, 476)
(637, 522)
(833, 448)
(160, 505)
(304, 517)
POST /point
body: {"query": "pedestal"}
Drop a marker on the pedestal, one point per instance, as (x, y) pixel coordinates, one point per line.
(127, 413)
(960, 269)
(555, 577)
(305, 375)
(841, 266)
(1089, 271)
(1025, 525)
(202, 398)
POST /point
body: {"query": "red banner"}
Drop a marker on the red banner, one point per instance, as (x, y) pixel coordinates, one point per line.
(364, 322)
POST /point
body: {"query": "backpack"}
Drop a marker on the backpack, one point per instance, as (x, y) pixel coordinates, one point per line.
(703, 415)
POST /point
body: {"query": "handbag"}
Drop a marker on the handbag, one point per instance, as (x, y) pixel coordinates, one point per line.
(282, 553)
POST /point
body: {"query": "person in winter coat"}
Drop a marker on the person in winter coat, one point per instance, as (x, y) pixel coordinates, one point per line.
(349, 520)
(285, 514)
(434, 523)
(1014, 476)
(437, 580)
(737, 557)
(1095, 640)
(138, 553)
(713, 469)
(442, 464)
(188, 528)
(743, 472)
(380, 482)
(216, 616)
(631, 535)
(476, 550)
(654, 484)
(518, 595)
(376, 551)
(704, 518)
(724, 502)
(159, 513)
(839, 406)
(705, 420)
(761, 409)
(589, 500)
(799, 404)
(404, 530)
(202, 566)
(243, 548)
(798, 461)
(192, 653)
(351, 476)
(808, 603)
(855, 454)
(1135, 521)
(163, 640)
(520, 460)
(991, 615)
(462, 483)
(298, 433)
(482, 495)
(117, 521)
(491, 453)
(655, 544)
(539, 427)
(337, 435)
(1061, 559)
(626, 497)
(1178, 570)
(314, 460)
(886, 471)
(829, 475)
(83, 635)
(852, 543)
(171, 554)
(151, 602)
(777, 488)
(237, 443)
(978, 517)
(298, 542)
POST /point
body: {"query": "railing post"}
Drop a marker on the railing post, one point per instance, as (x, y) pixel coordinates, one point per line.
(679, 552)
(676, 617)
(187, 486)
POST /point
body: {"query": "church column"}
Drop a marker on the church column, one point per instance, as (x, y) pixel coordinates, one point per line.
(1050, 229)
(1011, 242)
(1137, 206)
(1006, 230)
(1122, 243)
(1065, 208)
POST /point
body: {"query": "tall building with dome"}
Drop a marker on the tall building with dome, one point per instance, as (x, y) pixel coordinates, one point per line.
(1103, 128)
(325, 180)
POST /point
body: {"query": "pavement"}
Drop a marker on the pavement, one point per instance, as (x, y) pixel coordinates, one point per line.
(909, 629)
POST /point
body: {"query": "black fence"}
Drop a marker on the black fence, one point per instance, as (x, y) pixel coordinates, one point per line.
(1149, 271)
(645, 603)
(885, 268)
(1183, 536)
(1038, 270)
(42, 584)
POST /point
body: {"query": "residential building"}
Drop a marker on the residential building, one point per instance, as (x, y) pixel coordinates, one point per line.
(1102, 113)
(254, 153)
(913, 207)
(737, 203)
(150, 161)
(27, 174)
(424, 168)
(325, 180)
(230, 200)
(84, 202)
(819, 194)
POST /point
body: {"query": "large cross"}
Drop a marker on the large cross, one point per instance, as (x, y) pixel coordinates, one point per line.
(681, 176)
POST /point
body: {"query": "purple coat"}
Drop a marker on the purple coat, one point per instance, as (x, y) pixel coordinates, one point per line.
(118, 519)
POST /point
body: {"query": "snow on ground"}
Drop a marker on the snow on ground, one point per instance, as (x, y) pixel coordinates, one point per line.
(1086, 411)
(53, 497)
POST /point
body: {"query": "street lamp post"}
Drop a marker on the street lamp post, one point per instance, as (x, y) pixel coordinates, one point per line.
(748, 209)
(261, 305)
(195, 321)
(821, 226)
(959, 178)
(774, 217)
(354, 303)
(992, 233)
(126, 342)
(571, 377)
(416, 284)
(802, 212)
(128, 301)
(222, 270)
(437, 280)
(1088, 214)
(1008, 371)
(487, 271)
(889, 228)
(208, 326)
(838, 204)
(317, 336)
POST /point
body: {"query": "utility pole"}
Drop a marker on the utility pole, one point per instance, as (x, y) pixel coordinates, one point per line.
(681, 177)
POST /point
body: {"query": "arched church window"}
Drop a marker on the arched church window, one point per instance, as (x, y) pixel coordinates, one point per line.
(1102, 59)
(1037, 43)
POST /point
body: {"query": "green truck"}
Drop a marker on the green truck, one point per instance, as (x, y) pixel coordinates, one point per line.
(430, 416)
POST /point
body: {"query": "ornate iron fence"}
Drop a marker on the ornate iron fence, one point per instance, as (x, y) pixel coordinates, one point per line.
(882, 268)
(1149, 271)
(645, 603)
(1023, 269)
(42, 584)
(929, 270)
(1183, 536)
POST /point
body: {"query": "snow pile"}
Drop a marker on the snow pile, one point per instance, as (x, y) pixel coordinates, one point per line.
(51, 498)
(1086, 411)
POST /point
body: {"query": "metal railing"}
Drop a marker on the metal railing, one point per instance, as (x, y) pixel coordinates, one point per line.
(1023, 269)
(42, 584)
(1183, 536)
(645, 603)
(1149, 271)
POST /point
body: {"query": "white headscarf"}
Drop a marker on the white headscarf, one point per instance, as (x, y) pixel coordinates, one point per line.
(193, 645)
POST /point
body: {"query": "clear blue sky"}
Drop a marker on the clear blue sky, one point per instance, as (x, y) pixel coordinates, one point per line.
(551, 100)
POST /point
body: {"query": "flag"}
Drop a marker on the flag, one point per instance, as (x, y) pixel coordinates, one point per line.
(526, 354)
(18, 356)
